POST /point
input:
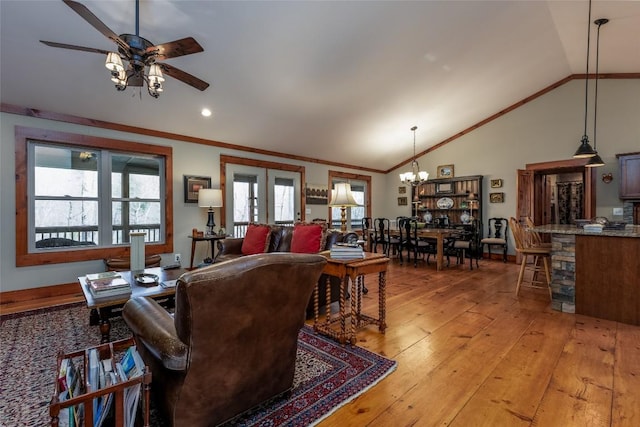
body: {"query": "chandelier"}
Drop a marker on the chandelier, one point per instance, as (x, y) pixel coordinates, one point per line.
(134, 74)
(415, 176)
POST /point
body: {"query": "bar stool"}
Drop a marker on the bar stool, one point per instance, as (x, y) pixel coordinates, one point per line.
(526, 248)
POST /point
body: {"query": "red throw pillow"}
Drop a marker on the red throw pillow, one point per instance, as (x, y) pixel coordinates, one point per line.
(308, 238)
(256, 240)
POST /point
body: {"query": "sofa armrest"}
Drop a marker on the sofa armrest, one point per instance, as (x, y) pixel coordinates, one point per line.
(230, 246)
(154, 326)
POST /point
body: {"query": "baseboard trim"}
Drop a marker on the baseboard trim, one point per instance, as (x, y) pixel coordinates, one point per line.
(65, 289)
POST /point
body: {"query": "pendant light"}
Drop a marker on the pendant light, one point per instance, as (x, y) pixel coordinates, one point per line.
(415, 176)
(585, 149)
(596, 160)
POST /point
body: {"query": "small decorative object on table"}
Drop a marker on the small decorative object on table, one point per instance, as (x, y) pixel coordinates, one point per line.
(146, 279)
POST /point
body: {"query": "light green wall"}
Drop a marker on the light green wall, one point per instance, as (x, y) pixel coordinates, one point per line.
(188, 159)
(546, 129)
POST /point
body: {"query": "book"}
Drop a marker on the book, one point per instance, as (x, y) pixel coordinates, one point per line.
(110, 293)
(107, 283)
(169, 283)
(103, 275)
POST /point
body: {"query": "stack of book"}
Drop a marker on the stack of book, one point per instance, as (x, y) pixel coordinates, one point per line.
(346, 251)
(107, 285)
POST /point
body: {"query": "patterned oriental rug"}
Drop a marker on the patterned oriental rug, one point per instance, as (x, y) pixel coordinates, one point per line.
(327, 375)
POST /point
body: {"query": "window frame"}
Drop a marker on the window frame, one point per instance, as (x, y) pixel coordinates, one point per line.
(84, 253)
(337, 176)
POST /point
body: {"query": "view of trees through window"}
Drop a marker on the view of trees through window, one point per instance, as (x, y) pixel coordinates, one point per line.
(70, 203)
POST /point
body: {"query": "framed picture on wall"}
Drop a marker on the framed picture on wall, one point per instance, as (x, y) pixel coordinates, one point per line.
(402, 201)
(445, 171)
(193, 184)
(496, 183)
(496, 197)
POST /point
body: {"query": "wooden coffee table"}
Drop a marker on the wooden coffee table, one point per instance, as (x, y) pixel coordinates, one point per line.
(104, 308)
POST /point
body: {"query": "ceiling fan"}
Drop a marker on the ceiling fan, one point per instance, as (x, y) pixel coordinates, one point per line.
(139, 53)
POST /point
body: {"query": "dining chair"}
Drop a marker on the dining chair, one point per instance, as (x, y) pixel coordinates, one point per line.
(366, 223)
(404, 230)
(530, 255)
(498, 236)
(381, 234)
(466, 243)
(418, 245)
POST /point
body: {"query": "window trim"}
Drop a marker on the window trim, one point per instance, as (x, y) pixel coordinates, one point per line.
(337, 175)
(23, 257)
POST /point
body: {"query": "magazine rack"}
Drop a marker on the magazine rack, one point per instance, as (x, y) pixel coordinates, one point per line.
(105, 351)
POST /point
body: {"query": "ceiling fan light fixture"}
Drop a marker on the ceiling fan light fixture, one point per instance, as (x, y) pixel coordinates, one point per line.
(155, 74)
(114, 62)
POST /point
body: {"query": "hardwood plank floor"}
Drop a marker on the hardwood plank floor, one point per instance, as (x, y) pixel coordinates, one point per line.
(472, 354)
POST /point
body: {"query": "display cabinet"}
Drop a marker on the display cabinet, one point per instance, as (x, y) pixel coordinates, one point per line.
(452, 201)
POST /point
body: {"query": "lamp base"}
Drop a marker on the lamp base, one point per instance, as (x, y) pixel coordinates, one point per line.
(210, 222)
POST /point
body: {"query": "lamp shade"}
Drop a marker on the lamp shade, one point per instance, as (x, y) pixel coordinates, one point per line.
(209, 198)
(342, 196)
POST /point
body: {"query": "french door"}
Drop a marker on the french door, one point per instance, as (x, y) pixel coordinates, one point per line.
(260, 195)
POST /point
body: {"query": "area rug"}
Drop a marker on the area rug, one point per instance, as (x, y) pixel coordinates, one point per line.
(327, 375)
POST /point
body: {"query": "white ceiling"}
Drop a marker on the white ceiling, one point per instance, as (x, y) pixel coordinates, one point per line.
(341, 81)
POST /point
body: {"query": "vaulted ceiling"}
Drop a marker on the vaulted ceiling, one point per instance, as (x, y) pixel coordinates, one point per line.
(341, 81)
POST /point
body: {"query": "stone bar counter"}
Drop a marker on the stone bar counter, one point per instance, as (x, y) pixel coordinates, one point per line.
(596, 274)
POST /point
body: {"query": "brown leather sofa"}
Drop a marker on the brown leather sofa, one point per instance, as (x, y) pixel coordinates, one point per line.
(280, 241)
(232, 341)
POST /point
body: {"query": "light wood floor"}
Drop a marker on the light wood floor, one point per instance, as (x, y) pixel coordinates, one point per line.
(472, 354)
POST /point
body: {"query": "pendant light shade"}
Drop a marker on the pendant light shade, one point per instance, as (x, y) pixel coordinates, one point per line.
(585, 149)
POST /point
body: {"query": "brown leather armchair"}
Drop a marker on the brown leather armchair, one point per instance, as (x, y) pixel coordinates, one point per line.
(232, 341)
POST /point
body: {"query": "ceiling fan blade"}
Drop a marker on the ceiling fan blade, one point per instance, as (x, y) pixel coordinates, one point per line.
(74, 47)
(92, 19)
(183, 76)
(181, 47)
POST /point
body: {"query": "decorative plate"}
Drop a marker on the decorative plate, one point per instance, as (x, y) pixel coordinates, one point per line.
(445, 203)
(146, 279)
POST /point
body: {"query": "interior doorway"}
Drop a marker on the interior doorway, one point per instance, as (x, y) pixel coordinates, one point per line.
(556, 192)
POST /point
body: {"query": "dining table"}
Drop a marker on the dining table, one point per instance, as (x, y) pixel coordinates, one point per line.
(424, 233)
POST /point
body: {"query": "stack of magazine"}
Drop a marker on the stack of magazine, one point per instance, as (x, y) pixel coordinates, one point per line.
(346, 251)
(107, 285)
(100, 374)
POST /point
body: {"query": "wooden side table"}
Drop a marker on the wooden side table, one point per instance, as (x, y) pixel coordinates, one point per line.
(207, 238)
(351, 318)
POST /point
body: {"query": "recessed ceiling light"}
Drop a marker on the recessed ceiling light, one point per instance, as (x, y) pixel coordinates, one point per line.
(206, 112)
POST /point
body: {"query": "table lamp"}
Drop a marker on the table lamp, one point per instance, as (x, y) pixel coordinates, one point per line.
(210, 198)
(342, 197)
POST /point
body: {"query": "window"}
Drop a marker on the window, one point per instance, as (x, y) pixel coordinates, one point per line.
(361, 190)
(284, 201)
(354, 214)
(84, 195)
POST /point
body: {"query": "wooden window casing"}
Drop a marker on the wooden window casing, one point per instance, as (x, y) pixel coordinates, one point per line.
(84, 253)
